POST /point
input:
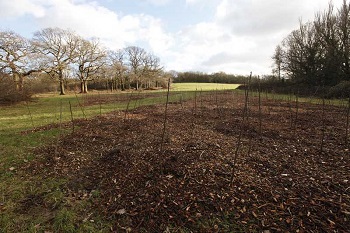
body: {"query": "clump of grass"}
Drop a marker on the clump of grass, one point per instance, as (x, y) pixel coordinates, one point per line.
(55, 198)
(64, 221)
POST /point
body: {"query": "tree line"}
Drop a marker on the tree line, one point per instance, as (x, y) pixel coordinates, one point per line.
(200, 77)
(318, 52)
(61, 54)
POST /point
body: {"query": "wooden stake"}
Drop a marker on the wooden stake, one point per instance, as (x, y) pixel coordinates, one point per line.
(323, 124)
(165, 116)
(71, 116)
(347, 123)
(30, 114)
(81, 106)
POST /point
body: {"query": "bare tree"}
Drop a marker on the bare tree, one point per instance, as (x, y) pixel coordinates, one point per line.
(135, 57)
(116, 62)
(58, 47)
(90, 58)
(16, 57)
(302, 55)
(152, 69)
(330, 56)
(343, 25)
(318, 53)
(278, 61)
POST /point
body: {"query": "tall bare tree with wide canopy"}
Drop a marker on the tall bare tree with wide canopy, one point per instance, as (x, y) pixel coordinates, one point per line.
(152, 69)
(118, 69)
(59, 48)
(136, 58)
(16, 57)
(90, 58)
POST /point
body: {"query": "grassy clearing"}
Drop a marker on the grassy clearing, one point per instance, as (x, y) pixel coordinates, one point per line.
(47, 108)
(203, 86)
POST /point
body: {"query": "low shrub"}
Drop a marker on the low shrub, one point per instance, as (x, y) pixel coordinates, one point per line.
(41, 84)
(341, 90)
(287, 87)
(9, 94)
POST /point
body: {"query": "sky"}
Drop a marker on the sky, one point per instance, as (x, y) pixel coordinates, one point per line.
(232, 36)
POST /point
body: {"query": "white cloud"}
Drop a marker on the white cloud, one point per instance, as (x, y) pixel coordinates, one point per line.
(158, 2)
(243, 34)
(158, 40)
(268, 16)
(205, 46)
(16, 8)
(190, 2)
(90, 19)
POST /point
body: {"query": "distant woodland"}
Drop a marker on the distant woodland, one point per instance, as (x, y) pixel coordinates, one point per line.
(317, 54)
(56, 59)
(312, 59)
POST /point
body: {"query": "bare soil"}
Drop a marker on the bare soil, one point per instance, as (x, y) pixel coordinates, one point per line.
(282, 182)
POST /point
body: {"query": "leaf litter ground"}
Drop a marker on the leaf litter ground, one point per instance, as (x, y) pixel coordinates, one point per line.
(283, 181)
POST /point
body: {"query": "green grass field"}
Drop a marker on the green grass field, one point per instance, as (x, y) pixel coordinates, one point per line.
(47, 108)
(202, 86)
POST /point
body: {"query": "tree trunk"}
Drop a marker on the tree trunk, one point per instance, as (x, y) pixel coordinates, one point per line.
(81, 86)
(60, 77)
(122, 82)
(17, 81)
(62, 92)
(20, 84)
(85, 86)
(116, 84)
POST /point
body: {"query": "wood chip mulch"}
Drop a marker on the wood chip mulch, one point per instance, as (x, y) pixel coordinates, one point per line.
(284, 180)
